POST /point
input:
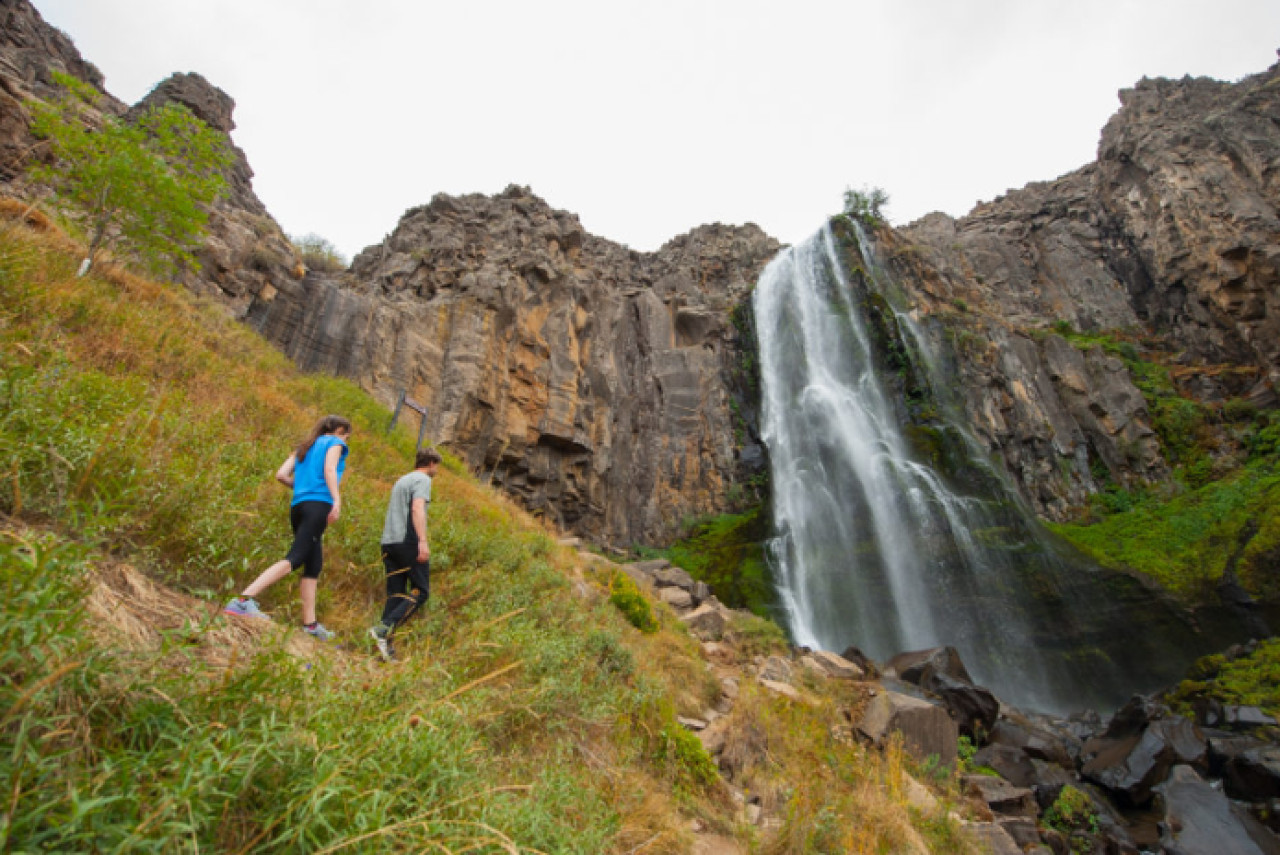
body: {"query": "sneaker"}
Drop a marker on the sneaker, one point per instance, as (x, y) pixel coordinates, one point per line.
(317, 630)
(245, 607)
(381, 636)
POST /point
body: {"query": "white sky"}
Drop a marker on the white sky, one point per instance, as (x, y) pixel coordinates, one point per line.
(649, 118)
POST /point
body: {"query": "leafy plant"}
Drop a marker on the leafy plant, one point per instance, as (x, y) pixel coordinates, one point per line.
(146, 184)
(866, 206)
(319, 253)
(626, 597)
(1072, 812)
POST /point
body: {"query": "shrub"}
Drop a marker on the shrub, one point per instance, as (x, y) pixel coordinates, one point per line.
(1072, 811)
(866, 206)
(319, 253)
(624, 595)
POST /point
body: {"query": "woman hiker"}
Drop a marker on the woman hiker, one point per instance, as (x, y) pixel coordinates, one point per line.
(405, 553)
(314, 471)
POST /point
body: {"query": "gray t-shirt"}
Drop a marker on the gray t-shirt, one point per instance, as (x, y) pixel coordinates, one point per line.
(399, 525)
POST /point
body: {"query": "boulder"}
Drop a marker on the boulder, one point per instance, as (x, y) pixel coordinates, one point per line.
(706, 622)
(1253, 775)
(1002, 797)
(1133, 718)
(776, 668)
(673, 577)
(1129, 766)
(1010, 761)
(862, 660)
(974, 708)
(1198, 819)
(1035, 742)
(835, 666)
(678, 598)
(913, 666)
(926, 728)
(1245, 718)
(991, 838)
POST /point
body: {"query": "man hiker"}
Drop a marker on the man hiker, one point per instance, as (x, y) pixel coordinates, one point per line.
(405, 553)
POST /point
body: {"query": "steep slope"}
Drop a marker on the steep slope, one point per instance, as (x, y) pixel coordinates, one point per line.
(139, 427)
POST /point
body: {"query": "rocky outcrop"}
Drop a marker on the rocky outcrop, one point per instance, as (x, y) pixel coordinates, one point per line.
(245, 252)
(599, 385)
(1173, 233)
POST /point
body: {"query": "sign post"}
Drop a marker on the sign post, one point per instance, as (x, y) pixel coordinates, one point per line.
(406, 401)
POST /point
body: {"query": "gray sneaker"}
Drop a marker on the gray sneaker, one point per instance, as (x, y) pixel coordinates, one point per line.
(381, 636)
(245, 607)
(318, 631)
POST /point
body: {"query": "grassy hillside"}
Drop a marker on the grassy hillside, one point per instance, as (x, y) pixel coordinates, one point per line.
(139, 429)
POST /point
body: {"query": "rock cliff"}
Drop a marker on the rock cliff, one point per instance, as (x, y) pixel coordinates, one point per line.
(1172, 235)
(613, 390)
(601, 386)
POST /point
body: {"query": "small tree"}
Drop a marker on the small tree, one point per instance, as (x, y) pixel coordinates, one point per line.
(147, 184)
(319, 253)
(865, 205)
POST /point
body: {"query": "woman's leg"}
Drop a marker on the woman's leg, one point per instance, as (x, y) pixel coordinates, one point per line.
(307, 593)
(267, 578)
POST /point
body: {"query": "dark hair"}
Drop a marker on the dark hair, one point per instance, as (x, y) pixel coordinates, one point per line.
(328, 424)
(426, 457)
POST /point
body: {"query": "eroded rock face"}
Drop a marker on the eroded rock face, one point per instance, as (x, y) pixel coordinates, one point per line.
(1173, 232)
(595, 383)
(245, 252)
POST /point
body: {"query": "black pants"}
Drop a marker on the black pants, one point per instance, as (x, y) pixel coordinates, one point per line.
(408, 582)
(309, 520)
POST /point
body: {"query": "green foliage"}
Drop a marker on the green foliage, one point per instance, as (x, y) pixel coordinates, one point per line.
(757, 636)
(727, 552)
(1252, 680)
(146, 185)
(1072, 812)
(682, 752)
(626, 597)
(319, 253)
(1184, 541)
(866, 206)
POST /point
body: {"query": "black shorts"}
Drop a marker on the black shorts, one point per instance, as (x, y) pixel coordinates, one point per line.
(309, 520)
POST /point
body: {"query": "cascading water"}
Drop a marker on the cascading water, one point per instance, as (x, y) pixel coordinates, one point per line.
(876, 545)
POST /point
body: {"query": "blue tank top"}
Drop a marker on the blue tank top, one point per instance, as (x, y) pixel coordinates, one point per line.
(308, 473)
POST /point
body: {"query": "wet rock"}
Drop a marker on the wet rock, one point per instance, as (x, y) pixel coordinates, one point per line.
(1129, 767)
(1010, 761)
(914, 666)
(1253, 775)
(1035, 742)
(862, 660)
(1198, 819)
(975, 709)
(1245, 718)
(926, 728)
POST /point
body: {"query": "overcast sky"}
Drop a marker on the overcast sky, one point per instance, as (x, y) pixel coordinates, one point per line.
(649, 118)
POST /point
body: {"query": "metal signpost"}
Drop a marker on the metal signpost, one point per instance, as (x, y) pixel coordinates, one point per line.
(406, 401)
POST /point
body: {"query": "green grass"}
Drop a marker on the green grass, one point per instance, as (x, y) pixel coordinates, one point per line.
(1222, 506)
(1185, 541)
(140, 427)
(727, 552)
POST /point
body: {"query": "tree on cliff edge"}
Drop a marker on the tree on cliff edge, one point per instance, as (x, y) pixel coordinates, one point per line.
(145, 185)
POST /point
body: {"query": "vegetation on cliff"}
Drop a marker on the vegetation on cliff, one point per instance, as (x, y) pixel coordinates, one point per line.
(138, 428)
(1220, 514)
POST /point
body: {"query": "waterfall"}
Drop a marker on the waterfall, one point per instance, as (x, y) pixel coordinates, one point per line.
(893, 533)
